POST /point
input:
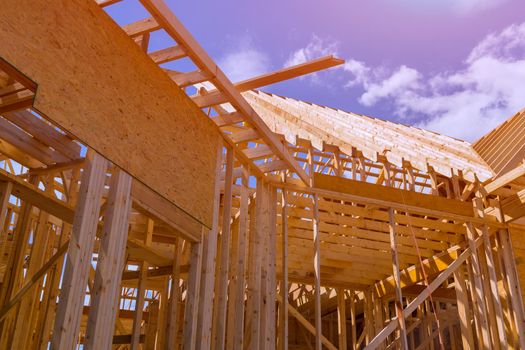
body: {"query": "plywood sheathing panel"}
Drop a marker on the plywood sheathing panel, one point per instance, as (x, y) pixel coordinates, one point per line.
(96, 83)
(372, 136)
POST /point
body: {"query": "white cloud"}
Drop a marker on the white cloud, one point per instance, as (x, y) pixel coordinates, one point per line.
(316, 48)
(244, 61)
(403, 78)
(465, 104)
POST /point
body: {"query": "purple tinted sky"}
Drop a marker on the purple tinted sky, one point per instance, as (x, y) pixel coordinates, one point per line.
(432, 37)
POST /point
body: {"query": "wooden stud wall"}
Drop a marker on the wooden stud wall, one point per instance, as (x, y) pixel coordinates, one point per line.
(373, 254)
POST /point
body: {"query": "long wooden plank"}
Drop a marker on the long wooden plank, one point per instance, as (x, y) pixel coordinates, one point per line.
(166, 211)
(397, 279)
(45, 133)
(412, 306)
(387, 194)
(172, 325)
(31, 194)
(289, 73)
(220, 316)
(110, 263)
(191, 310)
(209, 254)
(341, 319)
(67, 321)
(317, 274)
(236, 306)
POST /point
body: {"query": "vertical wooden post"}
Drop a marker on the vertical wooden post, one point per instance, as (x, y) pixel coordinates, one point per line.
(141, 289)
(163, 309)
(78, 262)
(341, 319)
(463, 309)
(369, 317)
(16, 260)
(283, 311)
(514, 287)
(48, 307)
(220, 312)
(492, 291)
(28, 303)
(253, 313)
(106, 287)
(484, 232)
(352, 320)
(189, 335)
(204, 324)
(263, 227)
(272, 287)
(397, 278)
(236, 307)
(172, 326)
(317, 273)
(478, 285)
(150, 340)
(5, 193)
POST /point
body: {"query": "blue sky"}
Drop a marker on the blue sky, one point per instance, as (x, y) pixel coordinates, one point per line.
(452, 66)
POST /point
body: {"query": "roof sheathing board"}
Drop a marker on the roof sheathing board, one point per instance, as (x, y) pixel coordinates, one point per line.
(372, 136)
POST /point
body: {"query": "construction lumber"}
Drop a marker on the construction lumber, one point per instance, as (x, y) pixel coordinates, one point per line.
(502, 148)
(172, 325)
(236, 304)
(78, 262)
(175, 29)
(404, 199)
(222, 292)
(133, 97)
(30, 193)
(341, 319)
(317, 274)
(110, 263)
(412, 306)
(209, 254)
(136, 329)
(288, 73)
(397, 278)
(192, 301)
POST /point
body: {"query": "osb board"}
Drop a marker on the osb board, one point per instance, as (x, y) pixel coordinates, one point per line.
(97, 84)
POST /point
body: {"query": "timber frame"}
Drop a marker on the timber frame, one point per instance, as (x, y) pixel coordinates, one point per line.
(327, 229)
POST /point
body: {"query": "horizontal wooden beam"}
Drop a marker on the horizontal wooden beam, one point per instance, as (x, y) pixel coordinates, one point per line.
(141, 27)
(403, 199)
(31, 194)
(153, 273)
(168, 54)
(190, 78)
(166, 211)
(505, 179)
(44, 132)
(137, 249)
(289, 73)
